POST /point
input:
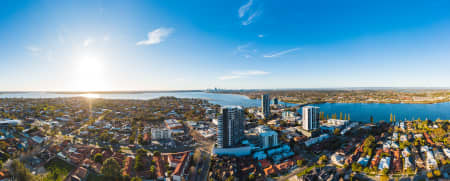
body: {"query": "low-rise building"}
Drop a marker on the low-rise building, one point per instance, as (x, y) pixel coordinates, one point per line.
(160, 133)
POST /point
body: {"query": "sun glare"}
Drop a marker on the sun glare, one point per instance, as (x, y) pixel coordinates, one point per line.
(90, 96)
(89, 75)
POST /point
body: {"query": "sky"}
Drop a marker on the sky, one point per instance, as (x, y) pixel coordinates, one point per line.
(114, 45)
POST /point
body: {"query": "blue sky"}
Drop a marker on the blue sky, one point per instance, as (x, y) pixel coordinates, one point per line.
(167, 45)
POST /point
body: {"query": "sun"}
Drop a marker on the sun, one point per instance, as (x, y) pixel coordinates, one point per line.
(89, 75)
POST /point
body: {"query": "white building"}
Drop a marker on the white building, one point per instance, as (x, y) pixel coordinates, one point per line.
(268, 137)
(338, 159)
(310, 117)
(288, 115)
(160, 133)
(316, 140)
(384, 163)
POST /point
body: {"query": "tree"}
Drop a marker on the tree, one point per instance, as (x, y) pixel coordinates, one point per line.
(156, 153)
(384, 178)
(152, 171)
(429, 175)
(111, 168)
(299, 163)
(336, 131)
(437, 173)
(20, 172)
(371, 119)
(136, 179)
(98, 157)
(251, 177)
(323, 159)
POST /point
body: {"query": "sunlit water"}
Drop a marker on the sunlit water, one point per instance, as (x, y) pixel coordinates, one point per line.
(221, 99)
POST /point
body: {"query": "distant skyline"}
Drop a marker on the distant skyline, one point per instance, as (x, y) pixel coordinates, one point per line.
(250, 44)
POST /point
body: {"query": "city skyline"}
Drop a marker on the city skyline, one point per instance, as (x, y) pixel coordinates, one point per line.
(255, 44)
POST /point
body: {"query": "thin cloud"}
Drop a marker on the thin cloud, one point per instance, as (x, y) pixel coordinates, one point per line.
(229, 77)
(106, 37)
(156, 36)
(244, 8)
(245, 50)
(33, 49)
(242, 74)
(260, 36)
(250, 18)
(251, 72)
(277, 54)
(247, 13)
(88, 42)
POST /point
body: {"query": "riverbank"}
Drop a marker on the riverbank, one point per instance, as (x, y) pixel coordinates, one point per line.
(405, 99)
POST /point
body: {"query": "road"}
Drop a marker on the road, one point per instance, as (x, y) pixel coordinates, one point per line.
(292, 173)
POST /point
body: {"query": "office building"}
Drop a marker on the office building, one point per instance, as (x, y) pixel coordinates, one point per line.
(265, 105)
(230, 127)
(310, 117)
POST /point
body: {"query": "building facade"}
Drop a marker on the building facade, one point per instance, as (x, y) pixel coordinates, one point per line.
(265, 105)
(160, 133)
(310, 117)
(268, 137)
(230, 127)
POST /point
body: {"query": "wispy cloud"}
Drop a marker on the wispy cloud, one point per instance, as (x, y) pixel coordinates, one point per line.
(260, 36)
(250, 18)
(247, 14)
(106, 37)
(88, 42)
(242, 74)
(244, 8)
(156, 36)
(33, 49)
(250, 72)
(277, 54)
(245, 50)
(229, 77)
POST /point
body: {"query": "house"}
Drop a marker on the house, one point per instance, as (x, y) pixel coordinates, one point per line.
(79, 174)
(384, 163)
(160, 168)
(179, 171)
(128, 166)
(270, 171)
(285, 166)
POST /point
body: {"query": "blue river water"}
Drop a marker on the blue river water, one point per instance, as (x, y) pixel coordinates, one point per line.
(362, 111)
(358, 111)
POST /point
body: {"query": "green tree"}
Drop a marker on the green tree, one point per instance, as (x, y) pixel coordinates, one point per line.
(371, 119)
(429, 175)
(111, 168)
(299, 163)
(98, 157)
(437, 173)
(251, 177)
(156, 153)
(19, 172)
(136, 179)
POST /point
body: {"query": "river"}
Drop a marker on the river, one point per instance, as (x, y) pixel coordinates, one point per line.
(358, 111)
